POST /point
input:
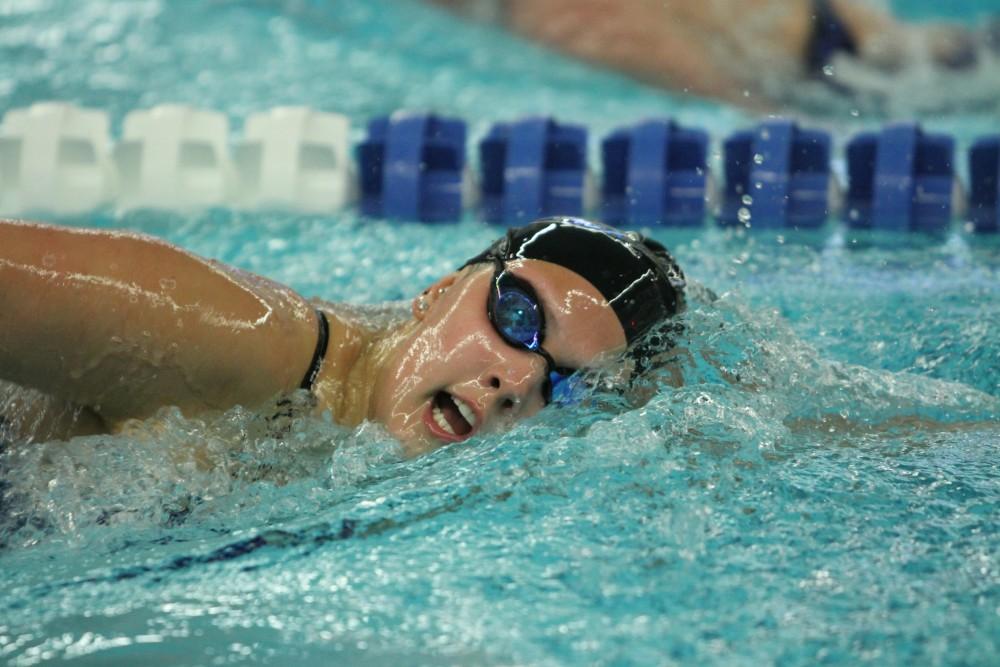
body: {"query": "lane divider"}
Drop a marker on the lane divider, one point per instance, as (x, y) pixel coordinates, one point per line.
(901, 179)
(296, 158)
(56, 157)
(173, 156)
(655, 172)
(984, 184)
(532, 168)
(412, 167)
(778, 175)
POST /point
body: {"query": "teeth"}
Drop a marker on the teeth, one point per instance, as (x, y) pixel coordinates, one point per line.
(467, 412)
(441, 421)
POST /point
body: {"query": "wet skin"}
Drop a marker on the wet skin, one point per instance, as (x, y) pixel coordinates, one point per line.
(119, 325)
(456, 356)
(742, 51)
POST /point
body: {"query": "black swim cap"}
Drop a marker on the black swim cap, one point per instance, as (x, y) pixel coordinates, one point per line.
(637, 275)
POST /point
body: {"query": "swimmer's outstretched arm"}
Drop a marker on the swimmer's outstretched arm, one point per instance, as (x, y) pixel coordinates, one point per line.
(124, 324)
(650, 40)
(734, 50)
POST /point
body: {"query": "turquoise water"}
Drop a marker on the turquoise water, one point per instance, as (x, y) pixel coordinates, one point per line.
(968, 11)
(823, 489)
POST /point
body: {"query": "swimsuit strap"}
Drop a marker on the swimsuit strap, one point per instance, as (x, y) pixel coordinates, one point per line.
(830, 36)
(319, 354)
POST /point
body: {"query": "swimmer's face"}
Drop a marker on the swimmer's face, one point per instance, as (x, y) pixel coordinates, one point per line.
(457, 377)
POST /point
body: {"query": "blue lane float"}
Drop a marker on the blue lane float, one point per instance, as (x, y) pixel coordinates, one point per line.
(777, 176)
(654, 173)
(411, 166)
(900, 179)
(532, 168)
(984, 184)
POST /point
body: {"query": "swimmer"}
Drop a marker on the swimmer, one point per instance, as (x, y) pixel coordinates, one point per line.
(747, 51)
(120, 325)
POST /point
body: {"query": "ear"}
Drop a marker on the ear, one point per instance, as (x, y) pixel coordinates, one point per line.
(423, 302)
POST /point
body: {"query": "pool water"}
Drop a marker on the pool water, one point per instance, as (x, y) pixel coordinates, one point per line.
(823, 489)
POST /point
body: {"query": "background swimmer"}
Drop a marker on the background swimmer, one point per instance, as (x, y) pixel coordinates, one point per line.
(121, 325)
(742, 51)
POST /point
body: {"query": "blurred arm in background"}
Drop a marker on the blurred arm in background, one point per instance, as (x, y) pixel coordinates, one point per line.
(736, 50)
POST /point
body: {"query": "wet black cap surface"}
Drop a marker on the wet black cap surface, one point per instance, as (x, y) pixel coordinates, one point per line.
(638, 277)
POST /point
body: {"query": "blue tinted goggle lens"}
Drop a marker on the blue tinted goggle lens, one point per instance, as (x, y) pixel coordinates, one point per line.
(518, 317)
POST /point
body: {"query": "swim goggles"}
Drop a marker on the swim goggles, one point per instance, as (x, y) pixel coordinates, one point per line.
(516, 314)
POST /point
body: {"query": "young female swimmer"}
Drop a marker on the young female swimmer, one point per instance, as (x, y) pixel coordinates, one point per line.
(121, 325)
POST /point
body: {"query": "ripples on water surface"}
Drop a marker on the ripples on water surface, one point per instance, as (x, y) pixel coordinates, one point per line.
(823, 488)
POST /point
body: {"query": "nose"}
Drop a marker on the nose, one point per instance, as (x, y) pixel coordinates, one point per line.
(515, 383)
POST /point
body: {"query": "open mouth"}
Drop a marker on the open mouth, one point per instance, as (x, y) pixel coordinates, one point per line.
(451, 417)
